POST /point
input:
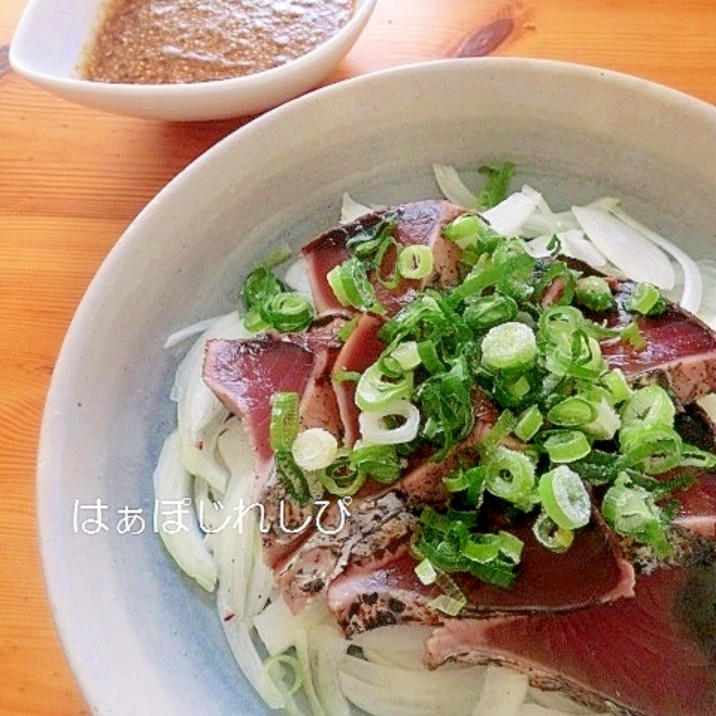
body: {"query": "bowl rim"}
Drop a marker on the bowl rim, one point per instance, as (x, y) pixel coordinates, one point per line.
(128, 242)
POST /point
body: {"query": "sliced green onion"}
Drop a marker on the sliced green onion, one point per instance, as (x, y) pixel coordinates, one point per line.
(406, 355)
(692, 456)
(292, 477)
(446, 404)
(587, 361)
(314, 449)
(488, 547)
(448, 605)
(415, 261)
(284, 422)
(503, 426)
(650, 405)
(510, 392)
(342, 486)
(375, 390)
(615, 382)
(567, 446)
(511, 546)
(515, 269)
(551, 535)
(253, 321)
(484, 312)
(510, 475)
(565, 498)
(470, 231)
(482, 549)
(287, 312)
(652, 448)
(558, 271)
(496, 185)
(284, 670)
(457, 481)
(379, 462)
(483, 275)
(425, 572)
(606, 423)
(630, 510)
(509, 346)
(429, 356)
(260, 285)
(351, 286)
(500, 572)
(528, 423)
(375, 428)
(572, 412)
(558, 323)
(646, 300)
(632, 335)
(593, 292)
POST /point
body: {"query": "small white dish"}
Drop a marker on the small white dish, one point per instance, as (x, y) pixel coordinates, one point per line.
(140, 637)
(51, 37)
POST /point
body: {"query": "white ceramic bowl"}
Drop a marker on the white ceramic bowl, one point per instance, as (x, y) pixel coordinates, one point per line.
(140, 637)
(51, 36)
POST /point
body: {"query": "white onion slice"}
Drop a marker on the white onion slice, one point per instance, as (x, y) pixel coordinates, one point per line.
(200, 414)
(508, 217)
(297, 277)
(503, 694)
(628, 249)
(191, 331)
(352, 209)
(575, 245)
(452, 186)
(373, 428)
(388, 691)
(693, 280)
(176, 524)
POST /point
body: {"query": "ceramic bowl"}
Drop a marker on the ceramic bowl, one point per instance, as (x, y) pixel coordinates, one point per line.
(141, 638)
(51, 37)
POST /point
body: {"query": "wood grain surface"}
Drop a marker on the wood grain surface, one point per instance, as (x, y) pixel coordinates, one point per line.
(71, 180)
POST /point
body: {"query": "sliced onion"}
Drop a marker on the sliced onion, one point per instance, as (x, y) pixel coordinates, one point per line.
(297, 277)
(693, 280)
(191, 331)
(628, 249)
(452, 186)
(200, 414)
(707, 310)
(553, 703)
(373, 428)
(389, 691)
(277, 625)
(575, 245)
(352, 210)
(319, 652)
(503, 694)
(182, 537)
(508, 217)
(250, 662)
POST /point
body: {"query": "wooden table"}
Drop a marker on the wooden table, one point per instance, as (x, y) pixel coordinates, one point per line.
(72, 179)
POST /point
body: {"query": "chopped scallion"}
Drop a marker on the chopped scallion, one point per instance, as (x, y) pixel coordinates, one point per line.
(509, 346)
(564, 498)
(284, 421)
(415, 261)
(566, 446)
